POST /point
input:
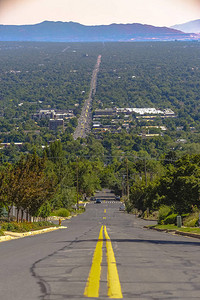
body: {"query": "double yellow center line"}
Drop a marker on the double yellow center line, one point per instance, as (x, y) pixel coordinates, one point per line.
(93, 282)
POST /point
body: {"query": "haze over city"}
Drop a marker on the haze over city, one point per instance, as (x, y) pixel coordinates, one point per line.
(89, 12)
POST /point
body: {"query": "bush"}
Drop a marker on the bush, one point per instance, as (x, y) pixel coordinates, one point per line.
(26, 226)
(191, 220)
(8, 226)
(164, 211)
(61, 212)
(81, 210)
(1, 232)
(171, 219)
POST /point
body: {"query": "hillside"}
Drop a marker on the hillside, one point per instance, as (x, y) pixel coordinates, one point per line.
(193, 26)
(75, 32)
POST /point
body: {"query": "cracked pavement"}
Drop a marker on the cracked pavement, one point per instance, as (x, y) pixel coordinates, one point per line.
(53, 266)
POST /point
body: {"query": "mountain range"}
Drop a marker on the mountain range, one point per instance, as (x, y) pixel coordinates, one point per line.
(75, 32)
(192, 26)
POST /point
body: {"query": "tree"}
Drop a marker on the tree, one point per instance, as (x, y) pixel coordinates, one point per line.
(26, 185)
(181, 185)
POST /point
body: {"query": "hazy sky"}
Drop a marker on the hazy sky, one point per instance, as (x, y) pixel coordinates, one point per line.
(94, 12)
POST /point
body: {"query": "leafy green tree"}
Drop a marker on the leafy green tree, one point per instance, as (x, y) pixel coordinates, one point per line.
(181, 186)
(26, 185)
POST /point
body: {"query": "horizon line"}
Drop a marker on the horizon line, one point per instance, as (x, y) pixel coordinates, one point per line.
(114, 23)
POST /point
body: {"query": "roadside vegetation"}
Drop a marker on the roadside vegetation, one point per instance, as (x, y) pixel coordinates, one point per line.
(174, 228)
(26, 226)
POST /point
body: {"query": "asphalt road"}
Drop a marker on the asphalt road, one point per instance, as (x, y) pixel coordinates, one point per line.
(150, 265)
(85, 119)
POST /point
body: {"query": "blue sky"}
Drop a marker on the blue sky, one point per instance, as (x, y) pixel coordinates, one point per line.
(95, 12)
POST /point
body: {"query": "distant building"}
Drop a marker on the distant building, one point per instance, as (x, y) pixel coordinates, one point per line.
(146, 112)
(53, 114)
(183, 141)
(144, 135)
(44, 114)
(54, 124)
(105, 112)
(164, 128)
(140, 111)
(5, 145)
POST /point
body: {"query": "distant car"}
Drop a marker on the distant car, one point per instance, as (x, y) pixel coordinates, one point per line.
(98, 200)
(92, 199)
(122, 207)
(117, 198)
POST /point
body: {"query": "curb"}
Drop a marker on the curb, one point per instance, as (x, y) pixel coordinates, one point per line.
(7, 238)
(188, 234)
(194, 235)
(9, 235)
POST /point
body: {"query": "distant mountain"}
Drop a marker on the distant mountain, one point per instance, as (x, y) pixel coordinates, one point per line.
(75, 32)
(193, 26)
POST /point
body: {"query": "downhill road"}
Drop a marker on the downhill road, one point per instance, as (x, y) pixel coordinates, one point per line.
(104, 253)
(86, 117)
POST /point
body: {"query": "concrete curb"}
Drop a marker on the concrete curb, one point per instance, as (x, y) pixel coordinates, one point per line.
(194, 235)
(9, 235)
(188, 234)
(7, 238)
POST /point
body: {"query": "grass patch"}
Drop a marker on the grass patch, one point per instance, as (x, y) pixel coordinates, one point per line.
(167, 227)
(174, 227)
(25, 226)
(190, 229)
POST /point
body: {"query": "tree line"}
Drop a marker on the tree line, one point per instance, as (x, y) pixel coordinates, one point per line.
(38, 185)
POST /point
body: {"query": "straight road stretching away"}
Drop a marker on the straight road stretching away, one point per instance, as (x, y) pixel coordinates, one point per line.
(85, 118)
(104, 253)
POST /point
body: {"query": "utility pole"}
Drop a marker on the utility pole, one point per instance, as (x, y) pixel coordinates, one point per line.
(145, 171)
(127, 183)
(122, 185)
(77, 170)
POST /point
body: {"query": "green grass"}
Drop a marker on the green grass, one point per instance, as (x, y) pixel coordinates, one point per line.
(190, 229)
(169, 227)
(174, 227)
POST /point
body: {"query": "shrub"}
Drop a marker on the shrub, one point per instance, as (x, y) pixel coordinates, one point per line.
(164, 211)
(26, 226)
(61, 212)
(81, 210)
(1, 232)
(191, 220)
(8, 226)
(171, 219)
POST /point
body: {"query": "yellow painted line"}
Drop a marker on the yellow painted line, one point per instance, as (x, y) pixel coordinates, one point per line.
(104, 211)
(114, 286)
(93, 282)
(104, 218)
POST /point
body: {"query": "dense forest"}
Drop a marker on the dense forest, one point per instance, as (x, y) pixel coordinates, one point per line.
(151, 75)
